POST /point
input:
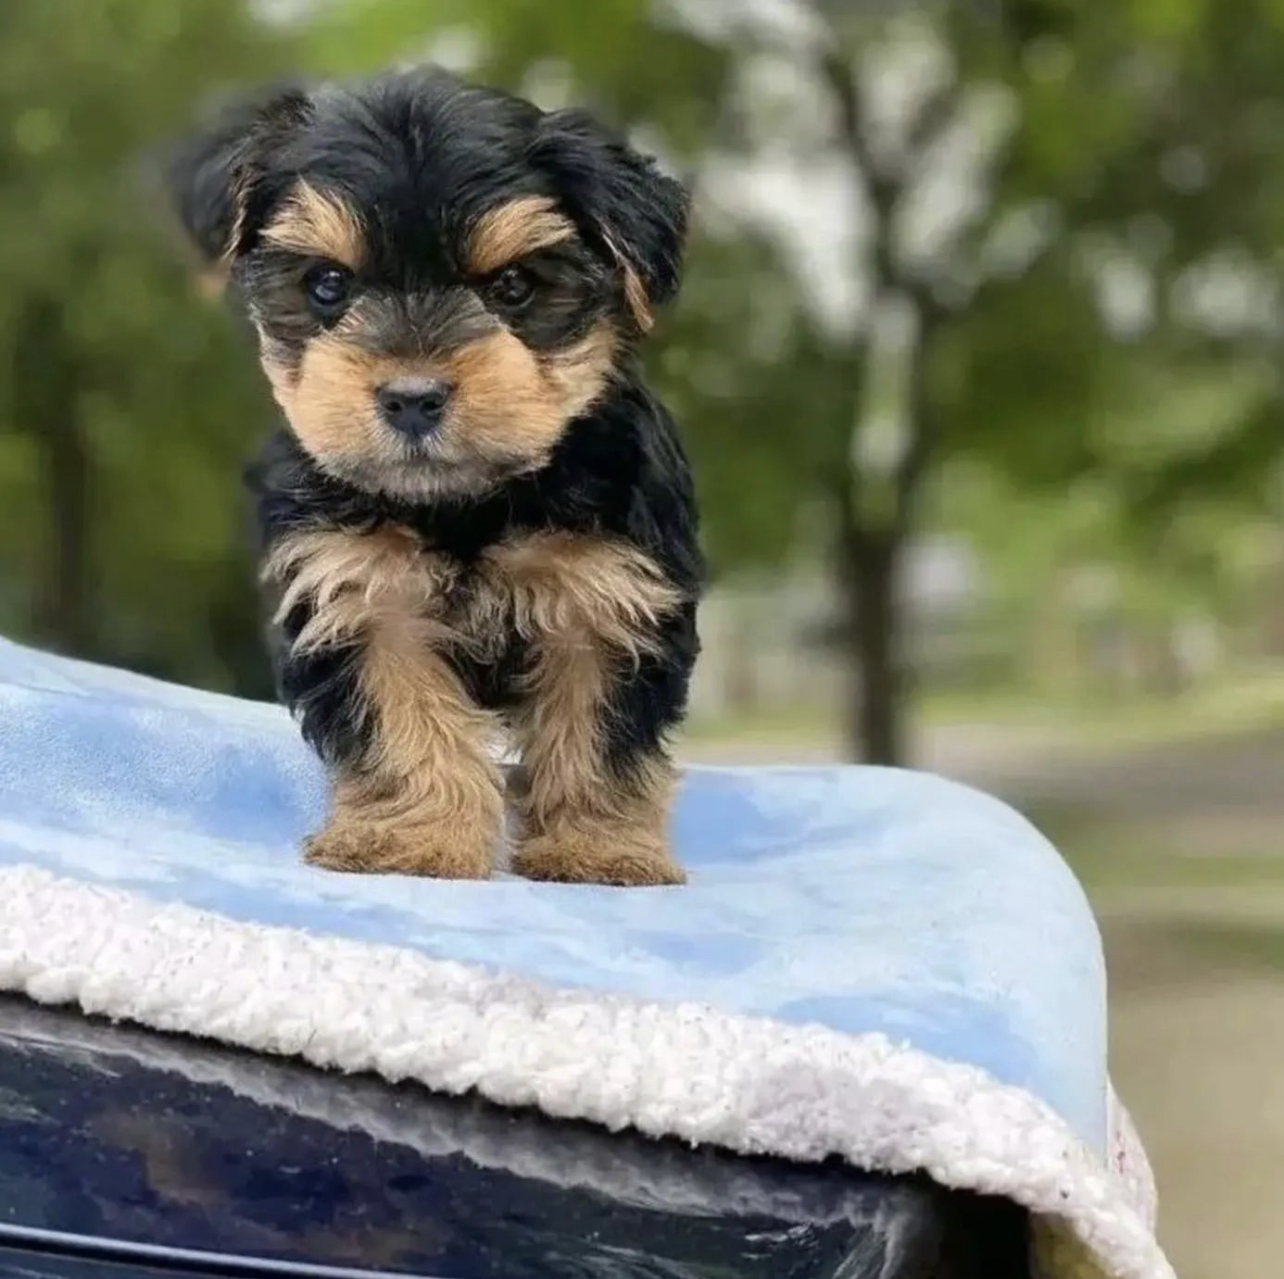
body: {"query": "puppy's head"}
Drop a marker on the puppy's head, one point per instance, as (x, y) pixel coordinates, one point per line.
(442, 277)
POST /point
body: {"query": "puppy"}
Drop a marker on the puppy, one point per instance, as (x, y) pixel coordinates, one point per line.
(476, 517)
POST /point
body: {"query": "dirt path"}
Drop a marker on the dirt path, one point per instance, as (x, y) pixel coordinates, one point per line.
(1242, 772)
(1197, 1047)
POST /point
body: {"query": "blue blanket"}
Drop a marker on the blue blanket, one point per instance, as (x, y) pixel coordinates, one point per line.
(892, 908)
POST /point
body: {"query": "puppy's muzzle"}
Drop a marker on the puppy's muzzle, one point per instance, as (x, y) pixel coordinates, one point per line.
(413, 407)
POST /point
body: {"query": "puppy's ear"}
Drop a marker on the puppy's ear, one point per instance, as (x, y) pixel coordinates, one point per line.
(211, 175)
(619, 197)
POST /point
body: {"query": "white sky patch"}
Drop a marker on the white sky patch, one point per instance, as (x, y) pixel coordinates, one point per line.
(287, 11)
(727, 20)
(795, 182)
(1018, 237)
(1125, 289)
(1227, 295)
(817, 235)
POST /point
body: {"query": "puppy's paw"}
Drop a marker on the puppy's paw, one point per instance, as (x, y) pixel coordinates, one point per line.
(598, 855)
(370, 849)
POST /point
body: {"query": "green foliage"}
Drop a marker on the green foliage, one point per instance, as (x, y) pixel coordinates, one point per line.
(767, 422)
(113, 366)
(613, 55)
(1149, 127)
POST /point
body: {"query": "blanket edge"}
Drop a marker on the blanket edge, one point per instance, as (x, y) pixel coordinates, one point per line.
(747, 1084)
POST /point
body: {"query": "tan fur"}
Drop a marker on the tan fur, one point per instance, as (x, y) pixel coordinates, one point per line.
(318, 223)
(505, 401)
(634, 290)
(240, 206)
(514, 230)
(635, 296)
(570, 586)
(210, 283)
(509, 408)
(428, 799)
(580, 372)
(329, 401)
(511, 404)
(624, 843)
(587, 607)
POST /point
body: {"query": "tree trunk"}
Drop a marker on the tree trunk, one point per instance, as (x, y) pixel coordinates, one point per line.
(871, 586)
(877, 514)
(47, 410)
(64, 613)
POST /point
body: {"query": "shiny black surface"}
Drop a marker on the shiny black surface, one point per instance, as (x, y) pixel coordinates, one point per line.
(26, 1265)
(27, 1250)
(138, 1137)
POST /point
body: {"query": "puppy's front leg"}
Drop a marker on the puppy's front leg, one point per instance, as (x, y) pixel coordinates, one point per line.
(415, 788)
(424, 798)
(593, 817)
(611, 650)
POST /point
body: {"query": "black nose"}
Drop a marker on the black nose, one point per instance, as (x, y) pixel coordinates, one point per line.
(412, 407)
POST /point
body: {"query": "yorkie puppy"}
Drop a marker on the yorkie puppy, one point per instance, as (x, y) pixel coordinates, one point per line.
(477, 516)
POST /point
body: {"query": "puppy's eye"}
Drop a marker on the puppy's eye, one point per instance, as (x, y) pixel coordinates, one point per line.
(512, 288)
(328, 288)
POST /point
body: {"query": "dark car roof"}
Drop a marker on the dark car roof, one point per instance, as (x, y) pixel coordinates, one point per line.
(131, 1137)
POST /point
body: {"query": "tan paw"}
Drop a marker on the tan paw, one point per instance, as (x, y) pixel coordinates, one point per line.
(596, 857)
(401, 850)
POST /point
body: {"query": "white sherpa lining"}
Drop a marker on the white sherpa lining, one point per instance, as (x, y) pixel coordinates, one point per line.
(748, 1084)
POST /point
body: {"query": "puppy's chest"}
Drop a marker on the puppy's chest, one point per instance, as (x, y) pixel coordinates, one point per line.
(350, 585)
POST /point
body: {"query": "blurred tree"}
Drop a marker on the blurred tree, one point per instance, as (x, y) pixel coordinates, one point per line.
(1006, 164)
(1158, 390)
(1033, 187)
(125, 411)
(986, 234)
(993, 169)
(990, 171)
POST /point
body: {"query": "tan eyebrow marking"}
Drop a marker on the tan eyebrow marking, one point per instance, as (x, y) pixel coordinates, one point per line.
(320, 223)
(511, 231)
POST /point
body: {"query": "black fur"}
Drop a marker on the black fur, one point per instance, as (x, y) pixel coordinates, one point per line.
(422, 156)
(620, 471)
(203, 171)
(611, 191)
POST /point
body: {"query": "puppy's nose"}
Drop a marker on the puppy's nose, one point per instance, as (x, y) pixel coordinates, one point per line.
(412, 406)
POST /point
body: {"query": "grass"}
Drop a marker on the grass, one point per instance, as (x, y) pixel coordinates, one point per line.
(1259, 946)
(1106, 867)
(1245, 702)
(1230, 706)
(786, 724)
(1107, 851)
(1203, 908)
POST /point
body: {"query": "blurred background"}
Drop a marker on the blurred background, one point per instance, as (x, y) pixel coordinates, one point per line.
(978, 358)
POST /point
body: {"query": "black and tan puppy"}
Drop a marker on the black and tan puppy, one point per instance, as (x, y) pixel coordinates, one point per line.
(477, 517)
